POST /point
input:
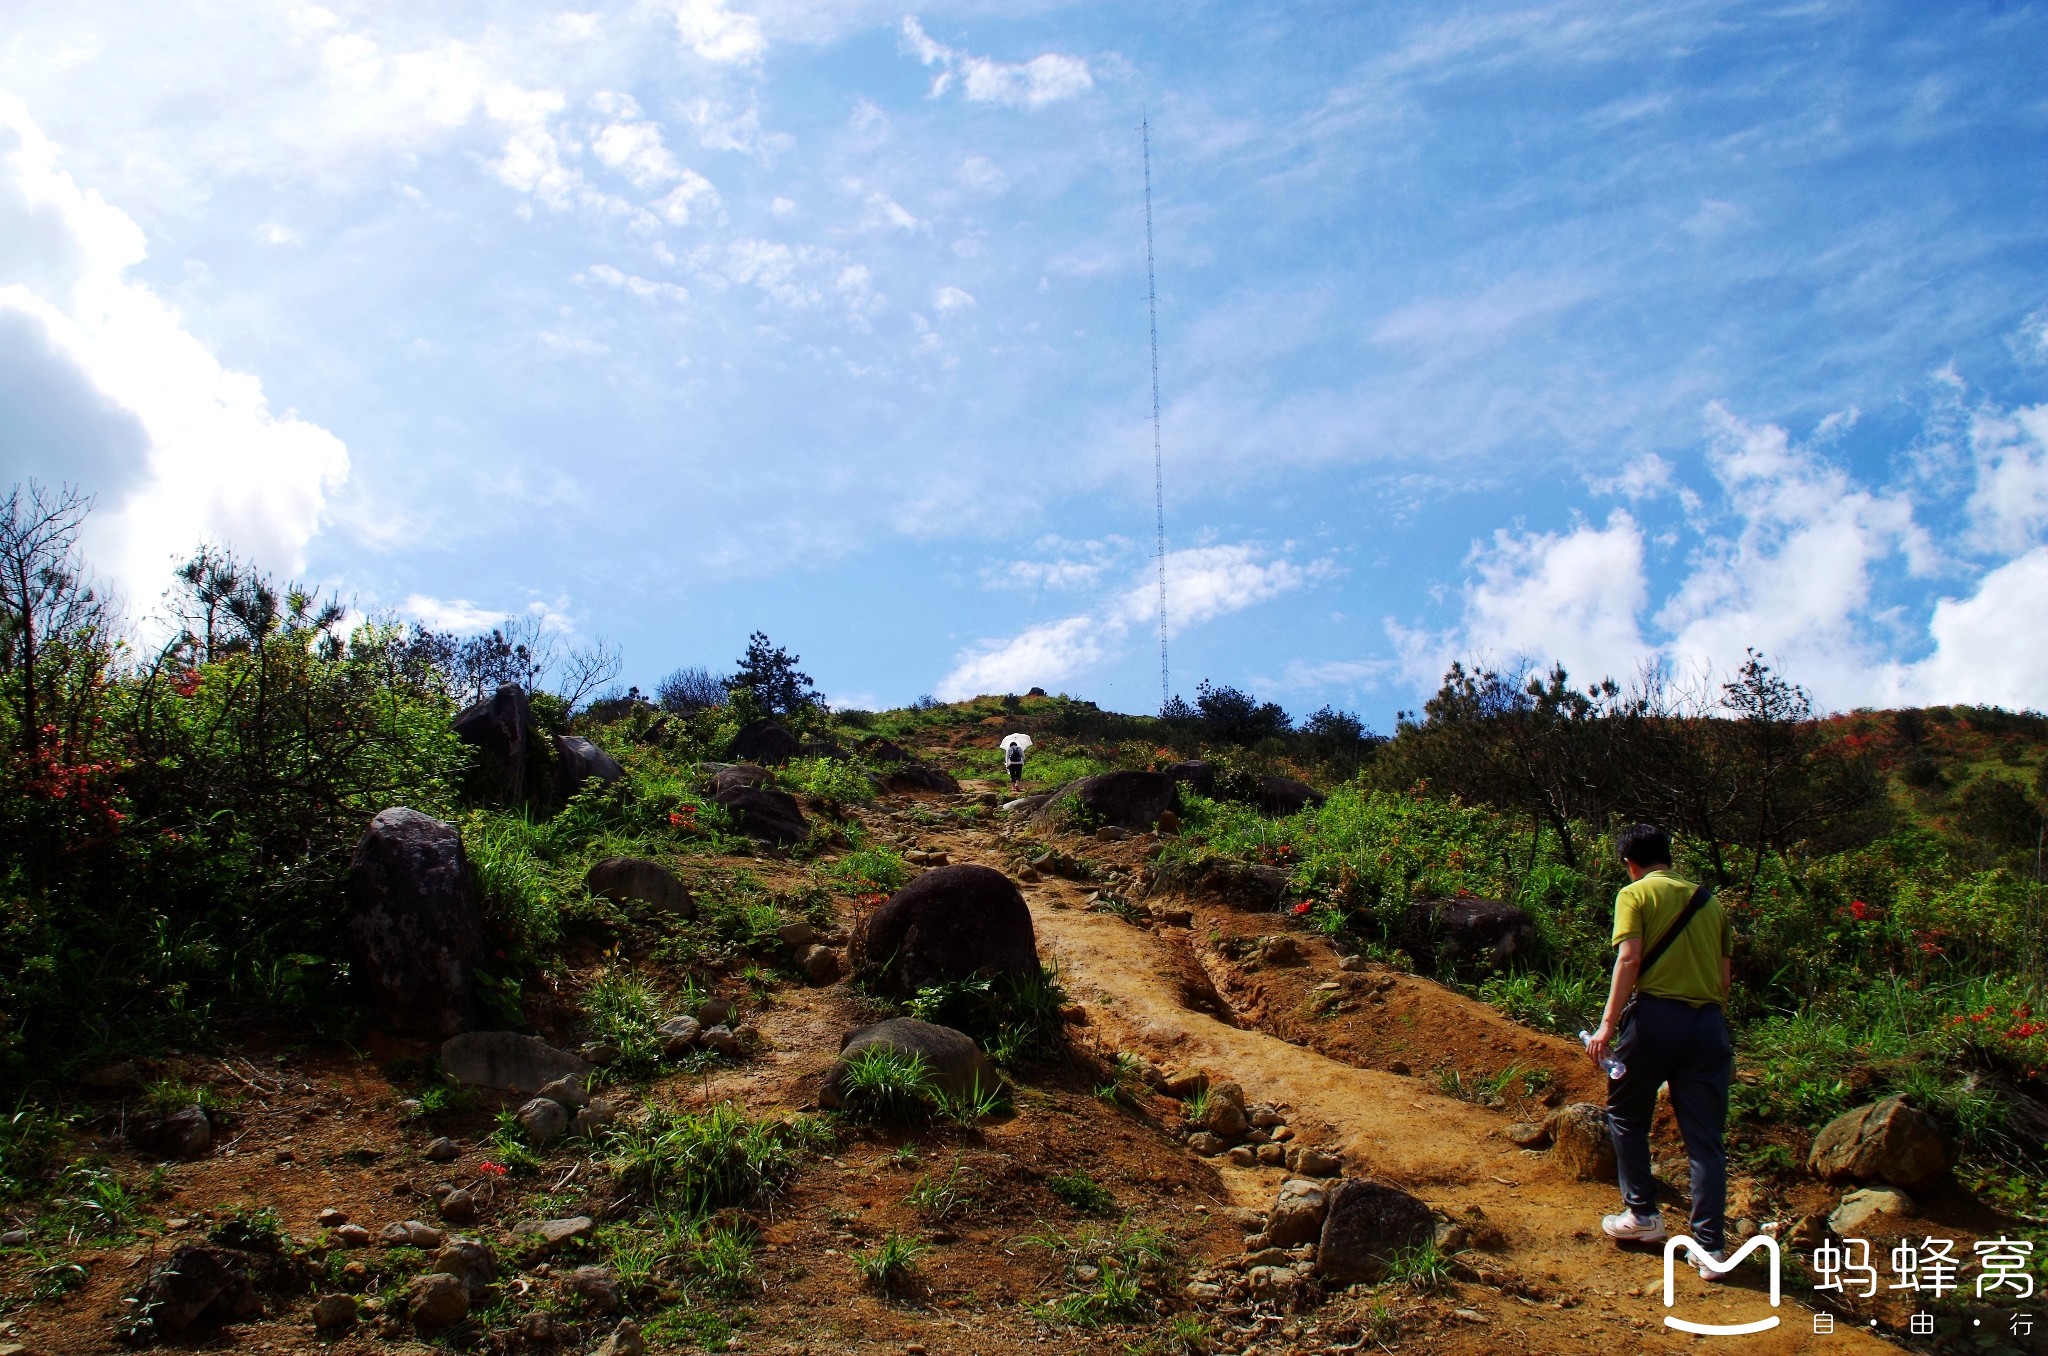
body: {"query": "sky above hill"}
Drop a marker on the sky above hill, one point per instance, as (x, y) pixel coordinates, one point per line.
(1600, 333)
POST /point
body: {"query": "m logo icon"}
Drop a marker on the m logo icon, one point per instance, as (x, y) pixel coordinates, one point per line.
(1703, 1258)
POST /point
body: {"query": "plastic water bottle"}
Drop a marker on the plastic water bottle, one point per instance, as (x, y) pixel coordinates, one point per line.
(1615, 1068)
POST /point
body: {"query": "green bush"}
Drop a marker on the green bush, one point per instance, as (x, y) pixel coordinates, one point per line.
(698, 1162)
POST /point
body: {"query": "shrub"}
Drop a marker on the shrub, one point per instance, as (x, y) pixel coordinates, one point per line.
(698, 1162)
(1081, 1191)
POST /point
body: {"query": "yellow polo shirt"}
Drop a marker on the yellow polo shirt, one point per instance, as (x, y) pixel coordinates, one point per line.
(1690, 968)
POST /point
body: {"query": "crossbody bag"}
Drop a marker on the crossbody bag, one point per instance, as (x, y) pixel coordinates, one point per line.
(1699, 899)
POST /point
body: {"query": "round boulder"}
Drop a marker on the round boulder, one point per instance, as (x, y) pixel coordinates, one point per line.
(1467, 931)
(414, 925)
(1366, 1225)
(911, 777)
(1885, 1141)
(951, 923)
(638, 881)
(958, 1067)
(1298, 1212)
(1286, 796)
(1198, 774)
(578, 761)
(500, 728)
(764, 813)
(1127, 800)
(767, 742)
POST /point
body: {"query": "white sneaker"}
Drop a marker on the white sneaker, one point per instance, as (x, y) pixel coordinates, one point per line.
(1628, 1227)
(1707, 1273)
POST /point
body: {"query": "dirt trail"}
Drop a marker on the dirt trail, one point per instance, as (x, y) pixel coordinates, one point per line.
(1451, 1153)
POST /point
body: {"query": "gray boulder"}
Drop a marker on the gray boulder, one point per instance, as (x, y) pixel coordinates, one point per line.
(912, 777)
(1885, 1141)
(636, 881)
(509, 1062)
(1127, 800)
(200, 1283)
(1367, 1223)
(957, 1065)
(1242, 885)
(741, 774)
(544, 1120)
(414, 925)
(951, 923)
(765, 814)
(1467, 931)
(1297, 1214)
(767, 742)
(1286, 796)
(500, 728)
(577, 761)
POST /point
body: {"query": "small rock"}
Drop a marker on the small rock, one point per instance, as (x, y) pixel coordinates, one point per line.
(351, 1236)
(569, 1092)
(469, 1262)
(598, 1052)
(1203, 1292)
(820, 964)
(592, 1120)
(544, 1120)
(1273, 1282)
(558, 1233)
(720, 1040)
(798, 935)
(1242, 1156)
(1312, 1162)
(332, 1313)
(1272, 1155)
(1400, 1067)
(1886, 1141)
(1185, 1083)
(1354, 964)
(443, 1150)
(1807, 1232)
(1470, 1315)
(439, 1301)
(1177, 918)
(1206, 1144)
(1297, 1214)
(330, 1218)
(1029, 875)
(1264, 1117)
(1860, 1210)
(185, 1133)
(1529, 1135)
(1282, 1133)
(625, 1340)
(14, 1238)
(679, 1035)
(716, 1012)
(597, 1288)
(458, 1207)
(411, 1233)
(1110, 833)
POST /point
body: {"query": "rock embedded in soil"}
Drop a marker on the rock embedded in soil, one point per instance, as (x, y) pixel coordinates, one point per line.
(1297, 1214)
(948, 925)
(438, 1301)
(1125, 800)
(716, 1011)
(412, 1233)
(200, 1283)
(958, 1067)
(1871, 1207)
(578, 762)
(597, 1287)
(1242, 885)
(1529, 1135)
(568, 1091)
(508, 1061)
(1467, 931)
(332, 1313)
(797, 935)
(1581, 1145)
(914, 777)
(185, 1133)
(820, 964)
(458, 1207)
(720, 1040)
(1185, 1083)
(1886, 1141)
(765, 814)
(443, 1150)
(556, 1233)
(740, 774)
(625, 1340)
(593, 1119)
(414, 925)
(1312, 1162)
(679, 1035)
(544, 1120)
(1367, 1223)
(501, 729)
(630, 881)
(331, 1218)
(351, 1236)
(1242, 1156)
(766, 742)
(1206, 1144)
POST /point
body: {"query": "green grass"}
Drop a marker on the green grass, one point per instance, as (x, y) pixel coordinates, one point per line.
(94, 1203)
(885, 1084)
(1103, 1273)
(624, 1010)
(1081, 1191)
(871, 870)
(32, 1143)
(891, 1265)
(698, 1162)
(1422, 1268)
(827, 779)
(1011, 1018)
(166, 1095)
(942, 1198)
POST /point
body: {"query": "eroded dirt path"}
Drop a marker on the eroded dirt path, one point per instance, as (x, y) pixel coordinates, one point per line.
(1590, 1296)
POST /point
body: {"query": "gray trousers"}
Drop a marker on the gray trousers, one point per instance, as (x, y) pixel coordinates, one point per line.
(1668, 1042)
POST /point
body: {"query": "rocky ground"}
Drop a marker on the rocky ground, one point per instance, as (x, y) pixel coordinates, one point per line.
(1232, 1081)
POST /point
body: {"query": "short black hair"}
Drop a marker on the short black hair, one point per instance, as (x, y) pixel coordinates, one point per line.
(1645, 845)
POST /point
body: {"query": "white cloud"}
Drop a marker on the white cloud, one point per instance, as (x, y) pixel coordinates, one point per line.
(952, 299)
(645, 288)
(276, 233)
(718, 34)
(2010, 506)
(1045, 79)
(1037, 657)
(579, 345)
(1646, 477)
(1573, 597)
(883, 210)
(210, 459)
(1075, 565)
(465, 618)
(1987, 648)
(694, 194)
(781, 207)
(635, 150)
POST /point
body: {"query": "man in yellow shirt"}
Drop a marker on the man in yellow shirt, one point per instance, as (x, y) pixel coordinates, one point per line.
(1674, 1032)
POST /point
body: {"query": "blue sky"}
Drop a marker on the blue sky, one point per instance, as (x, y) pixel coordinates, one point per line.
(1597, 332)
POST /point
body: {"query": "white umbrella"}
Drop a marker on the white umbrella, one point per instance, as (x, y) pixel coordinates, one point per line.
(1020, 741)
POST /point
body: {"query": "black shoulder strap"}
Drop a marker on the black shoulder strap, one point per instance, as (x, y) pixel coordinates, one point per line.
(1692, 906)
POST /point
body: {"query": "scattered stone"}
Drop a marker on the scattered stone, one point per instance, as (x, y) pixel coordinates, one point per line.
(798, 935)
(820, 964)
(1886, 1141)
(1242, 1156)
(1203, 1292)
(1312, 1162)
(544, 1120)
(1224, 1116)
(1262, 1116)
(598, 1052)
(720, 1040)
(625, 1340)
(1206, 1144)
(636, 880)
(443, 1150)
(1242, 885)
(1110, 833)
(1529, 1135)
(1352, 964)
(331, 1218)
(458, 1207)
(558, 1233)
(958, 1067)
(1272, 1155)
(1298, 1212)
(678, 1035)
(351, 1236)
(1860, 1210)
(508, 1061)
(1366, 1224)
(578, 761)
(411, 1233)
(469, 1262)
(567, 1091)
(716, 1012)
(1275, 1284)
(1807, 1232)
(501, 729)
(597, 1287)
(332, 1313)
(1280, 949)
(1581, 1144)
(439, 1301)
(765, 814)
(1466, 930)
(415, 924)
(948, 925)
(199, 1283)
(766, 742)
(1185, 1083)
(185, 1133)
(593, 1119)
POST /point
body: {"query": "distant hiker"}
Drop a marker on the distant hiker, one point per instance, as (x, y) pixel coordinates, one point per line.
(1013, 755)
(1664, 1022)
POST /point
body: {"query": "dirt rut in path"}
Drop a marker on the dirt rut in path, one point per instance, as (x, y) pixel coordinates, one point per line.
(1451, 1153)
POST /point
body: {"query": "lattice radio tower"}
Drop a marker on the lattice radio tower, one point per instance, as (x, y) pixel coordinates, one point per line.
(1158, 466)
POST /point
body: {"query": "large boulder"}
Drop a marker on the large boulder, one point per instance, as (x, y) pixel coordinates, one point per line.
(1128, 800)
(958, 1067)
(500, 728)
(1197, 774)
(741, 774)
(1286, 796)
(763, 813)
(1298, 1213)
(885, 751)
(1366, 1225)
(1581, 1143)
(917, 777)
(951, 923)
(415, 926)
(1885, 1141)
(1466, 931)
(577, 761)
(767, 742)
(632, 881)
(185, 1133)
(1243, 885)
(509, 1062)
(200, 1283)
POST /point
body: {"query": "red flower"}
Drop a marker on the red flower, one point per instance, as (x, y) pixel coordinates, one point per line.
(1860, 909)
(490, 1169)
(1302, 907)
(186, 683)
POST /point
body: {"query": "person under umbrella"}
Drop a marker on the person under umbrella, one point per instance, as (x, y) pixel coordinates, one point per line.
(1013, 755)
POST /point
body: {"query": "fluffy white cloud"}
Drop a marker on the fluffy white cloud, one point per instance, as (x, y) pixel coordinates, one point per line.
(718, 34)
(1045, 79)
(1987, 648)
(635, 150)
(645, 288)
(1040, 656)
(952, 299)
(209, 458)
(2010, 506)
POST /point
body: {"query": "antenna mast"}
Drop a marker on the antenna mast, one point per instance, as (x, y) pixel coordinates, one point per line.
(1158, 472)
